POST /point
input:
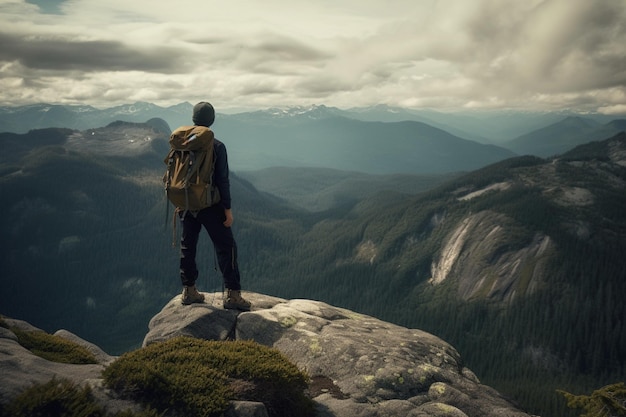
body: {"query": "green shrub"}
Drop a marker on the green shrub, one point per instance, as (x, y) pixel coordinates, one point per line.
(53, 348)
(56, 398)
(62, 398)
(607, 401)
(200, 378)
(50, 347)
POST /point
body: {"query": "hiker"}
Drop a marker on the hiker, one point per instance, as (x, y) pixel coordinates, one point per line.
(217, 220)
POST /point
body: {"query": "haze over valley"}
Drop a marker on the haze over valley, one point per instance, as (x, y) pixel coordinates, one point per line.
(427, 229)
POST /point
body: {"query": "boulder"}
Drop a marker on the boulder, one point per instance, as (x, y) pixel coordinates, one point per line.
(359, 365)
(20, 368)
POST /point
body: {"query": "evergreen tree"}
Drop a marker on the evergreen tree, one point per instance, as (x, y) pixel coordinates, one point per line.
(608, 401)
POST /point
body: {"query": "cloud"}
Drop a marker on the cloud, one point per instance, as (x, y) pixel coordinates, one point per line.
(549, 46)
(59, 54)
(274, 54)
(538, 54)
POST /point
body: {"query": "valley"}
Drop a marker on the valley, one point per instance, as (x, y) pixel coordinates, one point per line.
(517, 263)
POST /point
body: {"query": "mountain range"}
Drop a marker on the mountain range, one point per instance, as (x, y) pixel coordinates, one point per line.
(564, 135)
(322, 136)
(519, 264)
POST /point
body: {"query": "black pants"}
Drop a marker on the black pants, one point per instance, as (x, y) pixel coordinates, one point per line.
(212, 219)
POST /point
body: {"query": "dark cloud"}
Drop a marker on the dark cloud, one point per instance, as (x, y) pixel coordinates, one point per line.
(287, 49)
(274, 54)
(441, 53)
(554, 52)
(60, 54)
(322, 85)
(259, 88)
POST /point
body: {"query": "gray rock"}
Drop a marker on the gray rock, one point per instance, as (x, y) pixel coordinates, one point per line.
(101, 356)
(371, 367)
(20, 369)
(246, 409)
(359, 366)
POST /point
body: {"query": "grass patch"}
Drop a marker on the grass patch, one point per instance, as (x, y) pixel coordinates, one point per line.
(197, 377)
(51, 347)
(54, 348)
(62, 398)
(54, 398)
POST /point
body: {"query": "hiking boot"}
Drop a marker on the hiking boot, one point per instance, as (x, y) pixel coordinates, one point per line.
(234, 301)
(191, 295)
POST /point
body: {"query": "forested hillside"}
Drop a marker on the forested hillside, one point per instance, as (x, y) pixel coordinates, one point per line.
(531, 323)
(89, 250)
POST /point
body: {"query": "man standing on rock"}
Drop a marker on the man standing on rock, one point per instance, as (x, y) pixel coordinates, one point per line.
(217, 220)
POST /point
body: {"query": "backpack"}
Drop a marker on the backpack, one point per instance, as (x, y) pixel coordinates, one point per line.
(190, 164)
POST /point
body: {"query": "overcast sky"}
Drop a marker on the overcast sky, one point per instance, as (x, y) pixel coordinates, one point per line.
(245, 54)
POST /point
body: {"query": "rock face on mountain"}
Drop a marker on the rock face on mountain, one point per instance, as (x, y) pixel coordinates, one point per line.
(490, 252)
(359, 365)
(479, 247)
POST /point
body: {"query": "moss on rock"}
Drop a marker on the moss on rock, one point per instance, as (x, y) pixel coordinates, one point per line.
(200, 378)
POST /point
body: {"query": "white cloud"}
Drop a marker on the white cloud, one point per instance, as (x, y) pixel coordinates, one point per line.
(539, 54)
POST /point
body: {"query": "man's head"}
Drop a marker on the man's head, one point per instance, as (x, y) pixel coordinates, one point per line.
(203, 114)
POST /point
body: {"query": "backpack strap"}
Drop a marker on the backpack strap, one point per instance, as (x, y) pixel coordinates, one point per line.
(166, 183)
(192, 168)
(174, 234)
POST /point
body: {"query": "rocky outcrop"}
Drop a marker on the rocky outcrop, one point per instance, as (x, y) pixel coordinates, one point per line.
(19, 368)
(359, 365)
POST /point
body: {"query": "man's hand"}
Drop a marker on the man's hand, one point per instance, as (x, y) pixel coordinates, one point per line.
(229, 217)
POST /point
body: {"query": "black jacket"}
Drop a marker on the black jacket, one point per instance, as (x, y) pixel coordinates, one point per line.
(221, 172)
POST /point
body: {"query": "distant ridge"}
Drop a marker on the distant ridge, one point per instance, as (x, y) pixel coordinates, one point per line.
(257, 141)
(40, 116)
(564, 135)
(484, 126)
(375, 140)
(507, 253)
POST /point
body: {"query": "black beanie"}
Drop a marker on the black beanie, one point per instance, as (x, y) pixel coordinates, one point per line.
(203, 114)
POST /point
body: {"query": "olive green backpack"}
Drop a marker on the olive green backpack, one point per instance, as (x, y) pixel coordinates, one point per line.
(190, 164)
